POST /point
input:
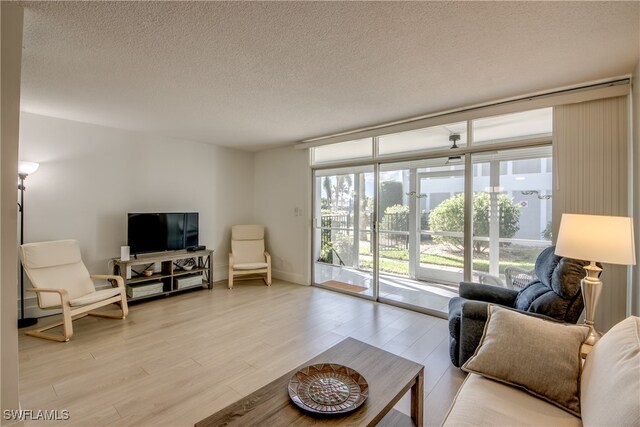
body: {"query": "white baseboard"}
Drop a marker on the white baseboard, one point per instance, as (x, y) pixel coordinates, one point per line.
(289, 277)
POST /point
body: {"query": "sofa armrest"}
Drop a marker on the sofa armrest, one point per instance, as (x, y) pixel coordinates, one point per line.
(488, 293)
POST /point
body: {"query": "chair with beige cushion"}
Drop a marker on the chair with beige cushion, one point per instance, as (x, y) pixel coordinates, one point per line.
(248, 256)
(61, 281)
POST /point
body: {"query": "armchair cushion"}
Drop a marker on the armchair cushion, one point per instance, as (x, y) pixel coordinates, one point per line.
(247, 232)
(50, 254)
(247, 251)
(95, 297)
(39, 260)
(539, 356)
(250, 265)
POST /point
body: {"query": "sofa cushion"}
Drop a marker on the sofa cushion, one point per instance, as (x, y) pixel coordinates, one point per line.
(483, 402)
(539, 356)
(611, 378)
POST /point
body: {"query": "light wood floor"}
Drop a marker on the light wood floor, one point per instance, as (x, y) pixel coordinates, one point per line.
(176, 360)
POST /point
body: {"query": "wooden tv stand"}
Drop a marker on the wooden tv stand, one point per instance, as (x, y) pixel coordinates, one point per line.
(171, 275)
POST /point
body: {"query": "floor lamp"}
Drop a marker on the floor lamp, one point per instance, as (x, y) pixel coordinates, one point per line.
(595, 238)
(24, 169)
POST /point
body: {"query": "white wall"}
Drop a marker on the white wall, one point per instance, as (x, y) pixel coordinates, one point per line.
(91, 176)
(12, 19)
(635, 131)
(282, 185)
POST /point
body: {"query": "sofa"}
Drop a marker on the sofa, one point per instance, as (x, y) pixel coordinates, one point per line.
(540, 377)
(554, 293)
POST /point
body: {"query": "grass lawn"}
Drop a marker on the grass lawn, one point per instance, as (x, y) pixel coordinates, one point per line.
(397, 261)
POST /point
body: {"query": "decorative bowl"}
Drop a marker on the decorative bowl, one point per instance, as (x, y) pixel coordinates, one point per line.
(148, 273)
(328, 389)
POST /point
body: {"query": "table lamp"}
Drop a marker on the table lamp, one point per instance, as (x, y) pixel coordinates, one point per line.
(595, 238)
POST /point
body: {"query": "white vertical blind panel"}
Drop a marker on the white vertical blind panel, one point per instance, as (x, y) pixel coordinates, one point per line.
(591, 147)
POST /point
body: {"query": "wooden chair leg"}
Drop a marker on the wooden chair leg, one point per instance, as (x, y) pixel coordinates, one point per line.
(269, 276)
(124, 308)
(66, 323)
(230, 279)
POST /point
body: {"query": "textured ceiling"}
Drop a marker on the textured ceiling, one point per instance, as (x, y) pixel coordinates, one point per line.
(257, 74)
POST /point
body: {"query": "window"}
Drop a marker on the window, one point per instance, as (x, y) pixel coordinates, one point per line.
(516, 126)
(511, 212)
(349, 150)
(427, 139)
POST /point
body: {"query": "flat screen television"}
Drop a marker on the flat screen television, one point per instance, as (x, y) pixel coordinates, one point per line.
(158, 232)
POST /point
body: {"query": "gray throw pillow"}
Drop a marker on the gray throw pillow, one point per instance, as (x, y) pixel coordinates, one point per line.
(540, 356)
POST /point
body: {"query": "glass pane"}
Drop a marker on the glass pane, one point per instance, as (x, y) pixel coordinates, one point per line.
(412, 271)
(350, 150)
(343, 205)
(393, 219)
(523, 125)
(427, 139)
(442, 223)
(511, 213)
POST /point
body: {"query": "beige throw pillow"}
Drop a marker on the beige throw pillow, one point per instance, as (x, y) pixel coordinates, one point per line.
(611, 378)
(540, 356)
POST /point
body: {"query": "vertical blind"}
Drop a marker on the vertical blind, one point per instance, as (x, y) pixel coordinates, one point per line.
(590, 176)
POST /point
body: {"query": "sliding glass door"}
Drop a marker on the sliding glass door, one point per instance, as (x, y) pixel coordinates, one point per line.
(343, 229)
(415, 257)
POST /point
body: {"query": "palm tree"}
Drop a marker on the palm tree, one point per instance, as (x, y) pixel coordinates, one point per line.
(327, 188)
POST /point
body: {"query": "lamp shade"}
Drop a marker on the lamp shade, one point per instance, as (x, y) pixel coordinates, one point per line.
(27, 168)
(607, 239)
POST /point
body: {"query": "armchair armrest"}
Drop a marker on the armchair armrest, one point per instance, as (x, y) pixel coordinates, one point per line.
(267, 257)
(119, 281)
(488, 293)
(64, 295)
(472, 323)
(231, 260)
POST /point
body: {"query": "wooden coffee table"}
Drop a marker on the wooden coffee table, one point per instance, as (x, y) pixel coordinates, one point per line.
(389, 377)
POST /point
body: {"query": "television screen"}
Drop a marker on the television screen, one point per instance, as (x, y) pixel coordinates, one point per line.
(157, 232)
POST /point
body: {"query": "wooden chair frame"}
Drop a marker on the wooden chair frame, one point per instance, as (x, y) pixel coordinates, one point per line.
(233, 273)
(69, 313)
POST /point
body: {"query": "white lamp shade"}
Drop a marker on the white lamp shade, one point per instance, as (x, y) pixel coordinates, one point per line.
(27, 168)
(607, 239)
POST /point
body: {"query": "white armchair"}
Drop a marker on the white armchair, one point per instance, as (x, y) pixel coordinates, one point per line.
(61, 281)
(248, 256)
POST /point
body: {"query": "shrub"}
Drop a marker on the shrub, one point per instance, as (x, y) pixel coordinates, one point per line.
(449, 216)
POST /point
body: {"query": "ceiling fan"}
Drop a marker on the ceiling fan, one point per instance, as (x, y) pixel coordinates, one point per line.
(454, 137)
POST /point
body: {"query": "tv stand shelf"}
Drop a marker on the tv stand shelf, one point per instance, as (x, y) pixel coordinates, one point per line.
(171, 278)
